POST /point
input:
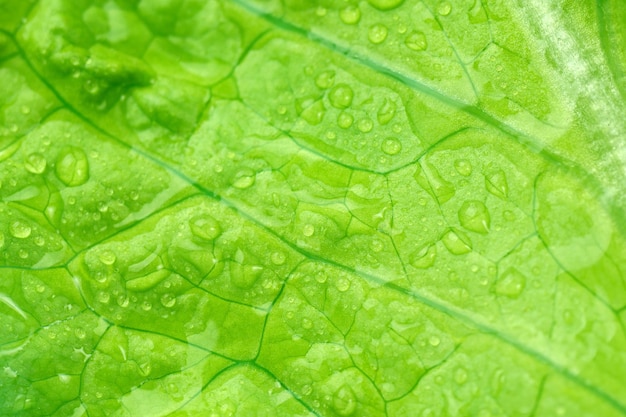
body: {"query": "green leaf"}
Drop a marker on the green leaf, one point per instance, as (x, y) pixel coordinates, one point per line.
(312, 208)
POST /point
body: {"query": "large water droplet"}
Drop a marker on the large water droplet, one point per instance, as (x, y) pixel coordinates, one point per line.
(456, 242)
(377, 34)
(385, 4)
(423, 258)
(343, 284)
(72, 166)
(205, 227)
(344, 401)
(35, 163)
(19, 229)
(463, 167)
(341, 96)
(350, 15)
(416, 41)
(314, 114)
(244, 179)
(511, 284)
(444, 8)
(391, 146)
(474, 216)
(496, 184)
(168, 300)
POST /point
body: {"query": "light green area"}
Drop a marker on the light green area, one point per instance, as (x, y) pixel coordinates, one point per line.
(312, 208)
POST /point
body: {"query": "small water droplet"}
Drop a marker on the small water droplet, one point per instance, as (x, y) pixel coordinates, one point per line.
(377, 34)
(460, 376)
(80, 333)
(344, 401)
(19, 229)
(307, 324)
(343, 284)
(496, 184)
(244, 179)
(423, 258)
(444, 8)
(341, 96)
(107, 257)
(321, 277)
(385, 4)
(456, 242)
(40, 241)
(103, 297)
(278, 258)
(463, 167)
(23, 254)
(25, 110)
(321, 11)
(146, 306)
(35, 163)
(511, 284)
(123, 301)
(386, 112)
(345, 120)
(391, 146)
(325, 80)
(168, 300)
(474, 216)
(205, 227)
(350, 15)
(416, 41)
(308, 230)
(434, 341)
(365, 125)
(72, 166)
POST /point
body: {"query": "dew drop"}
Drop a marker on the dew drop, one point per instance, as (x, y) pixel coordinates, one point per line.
(343, 284)
(377, 34)
(123, 301)
(72, 166)
(244, 179)
(386, 112)
(146, 306)
(168, 300)
(23, 254)
(345, 120)
(25, 110)
(40, 288)
(365, 125)
(325, 79)
(341, 96)
(434, 341)
(314, 113)
(423, 258)
(496, 184)
(416, 41)
(35, 163)
(344, 401)
(80, 333)
(391, 146)
(308, 230)
(19, 229)
(463, 167)
(474, 216)
(511, 284)
(460, 376)
(243, 275)
(107, 257)
(350, 15)
(278, 258)
(321, 277)
(444, 8)
(40, 241)
(103, 297)
(205, 227)
(456, 242)
(307, 324)
(385, 4)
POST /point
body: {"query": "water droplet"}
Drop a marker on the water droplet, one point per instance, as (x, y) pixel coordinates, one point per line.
(22, 254)
(385, 4)
(243, 275)
(391, 146)
(308, 230)
(456, 242)
(386, 112)
(40, 288)
(344, 401)
(365, 125)
(474, 216)
(147, 281)
(463, 167)
(205, 227)
(103, 297)
(72, 166)
(416, 41)
(496, 184)
(314, 113)
(146, 306)
(444, 8)
(168, 300)
(123, 301)
(343, 284)
(25, 110)
(244, 179)
(278, 258)
(511, 284)
(345, 120)
(377, 34)
(107, 257)
(325, 79)
(321, 277)
(40, 241)
(321, 11)
(341, 96)
(80, 333)
(35, 163)
(460, 376)
(423, 258)
(350, 15)
(19, 229)
(307, 324)
(434, 341)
